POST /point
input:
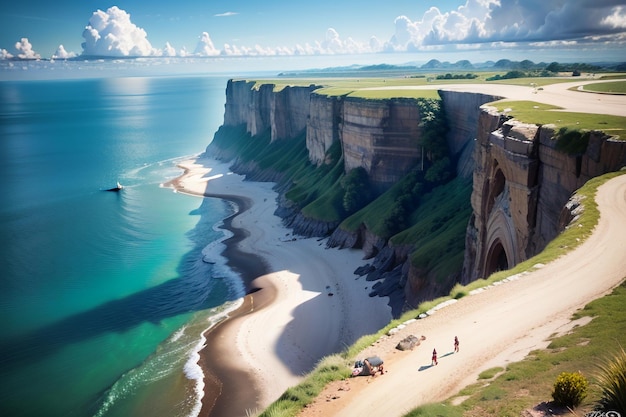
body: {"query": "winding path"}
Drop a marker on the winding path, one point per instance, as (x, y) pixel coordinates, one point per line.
(499, 325)
(559, 94)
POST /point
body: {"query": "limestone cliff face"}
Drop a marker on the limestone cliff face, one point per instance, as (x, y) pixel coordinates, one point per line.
(378, 135)
(290, 111)
(521, 182)
(521, 185)
(462, 112)
(284, 112)
(323, 126)
(381, 136)
(248, 106)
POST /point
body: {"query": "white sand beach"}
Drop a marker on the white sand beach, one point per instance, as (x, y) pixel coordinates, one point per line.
(320, 305)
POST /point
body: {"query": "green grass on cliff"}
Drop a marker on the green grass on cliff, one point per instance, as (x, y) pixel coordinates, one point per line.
(542, 114)
(315, 190)
(379, 93)
(438, 230)
(437, 226)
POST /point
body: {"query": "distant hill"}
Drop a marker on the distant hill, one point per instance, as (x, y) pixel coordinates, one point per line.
(462, 65)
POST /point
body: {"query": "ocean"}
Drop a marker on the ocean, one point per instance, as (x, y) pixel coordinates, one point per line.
(104, 295)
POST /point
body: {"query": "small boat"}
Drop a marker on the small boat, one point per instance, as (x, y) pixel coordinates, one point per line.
(118, 187)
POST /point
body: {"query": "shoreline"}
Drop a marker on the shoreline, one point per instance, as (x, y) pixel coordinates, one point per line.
(306, 300)
(217, 373)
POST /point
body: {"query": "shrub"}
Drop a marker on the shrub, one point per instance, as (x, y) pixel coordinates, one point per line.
(357, 190)
(570, 389)
(612, 382)
(572, 141)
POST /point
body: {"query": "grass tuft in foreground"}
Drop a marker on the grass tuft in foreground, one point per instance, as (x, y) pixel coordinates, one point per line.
(611, 380)
(330, 368)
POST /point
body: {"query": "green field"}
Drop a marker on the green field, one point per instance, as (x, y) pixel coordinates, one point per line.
(617, 87)
(543, 114)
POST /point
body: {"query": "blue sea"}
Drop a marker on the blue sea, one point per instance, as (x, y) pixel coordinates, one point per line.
(104, 295)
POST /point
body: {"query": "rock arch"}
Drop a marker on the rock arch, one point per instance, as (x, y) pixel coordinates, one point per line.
(497, 259)
(501, 239)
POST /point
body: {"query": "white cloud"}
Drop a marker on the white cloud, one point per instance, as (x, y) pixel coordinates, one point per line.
(617, 19)
(475, 24)
(61, 53)
(334, 44)
(4, 54)
(112, 34)
(205, 46)
(25, 50)
(227, 14)
(488, 21)
(168, 50)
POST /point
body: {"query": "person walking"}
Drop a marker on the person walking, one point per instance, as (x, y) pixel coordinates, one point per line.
(434, 361)
(456, 344)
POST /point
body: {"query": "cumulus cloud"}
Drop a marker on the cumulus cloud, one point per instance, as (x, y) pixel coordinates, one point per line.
(25, 50)
(205, 46)
(4, 54)
(61, 53)
(510, 21)
(333, 44)
(111, 33)
(617, 19)
(168, 50)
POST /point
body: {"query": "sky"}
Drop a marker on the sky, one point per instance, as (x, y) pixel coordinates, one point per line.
(389, 31)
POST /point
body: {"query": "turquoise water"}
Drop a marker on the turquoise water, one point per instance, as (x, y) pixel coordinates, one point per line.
(103, 295)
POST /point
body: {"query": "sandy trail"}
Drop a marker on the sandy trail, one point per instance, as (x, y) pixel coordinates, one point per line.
(556, 94)
(497, 326)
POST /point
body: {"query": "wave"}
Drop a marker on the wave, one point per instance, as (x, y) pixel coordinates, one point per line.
(193, 371)
(181, 350)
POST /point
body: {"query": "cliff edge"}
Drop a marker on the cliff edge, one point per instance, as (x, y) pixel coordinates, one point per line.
(443, 201)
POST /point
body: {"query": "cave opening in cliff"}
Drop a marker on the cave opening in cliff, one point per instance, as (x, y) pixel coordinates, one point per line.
(497, 259)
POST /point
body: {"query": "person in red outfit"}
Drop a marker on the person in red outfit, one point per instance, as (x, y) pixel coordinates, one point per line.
(434, 362)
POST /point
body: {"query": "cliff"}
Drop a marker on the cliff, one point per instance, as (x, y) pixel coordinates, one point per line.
(521, 186)
(505, 206)
(381, 137)
(462, 112)
(259, 108)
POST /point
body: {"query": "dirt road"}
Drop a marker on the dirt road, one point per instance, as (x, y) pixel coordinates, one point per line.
(499, 325)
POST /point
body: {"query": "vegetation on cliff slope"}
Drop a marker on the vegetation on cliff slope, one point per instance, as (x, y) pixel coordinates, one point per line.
(412, 211)
(321, 193)
(438, 227)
